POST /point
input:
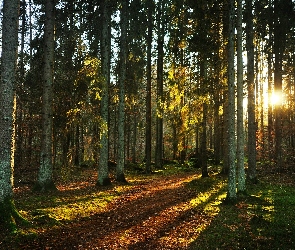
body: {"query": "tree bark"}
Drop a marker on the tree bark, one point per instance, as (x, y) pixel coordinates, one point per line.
(217, 129)
(45, 181)
(148, 134)
(203, 77)
(134, 128)
(240, 97)
(8, 212)
(103, 172)
(251, 94)
(231, 193)
(160, 61)
(122, 78)
(204, 142)
(279, 47)
(19, 105)
(224, 122)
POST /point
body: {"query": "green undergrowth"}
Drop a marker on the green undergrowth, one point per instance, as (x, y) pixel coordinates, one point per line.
(262, 219)
(55, 209)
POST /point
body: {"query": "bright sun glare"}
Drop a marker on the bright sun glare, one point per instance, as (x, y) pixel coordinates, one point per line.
(275, 99)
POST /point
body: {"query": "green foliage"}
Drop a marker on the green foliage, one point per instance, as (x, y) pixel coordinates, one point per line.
(88, 85)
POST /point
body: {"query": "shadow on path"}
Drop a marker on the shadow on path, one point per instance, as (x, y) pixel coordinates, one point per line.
(152, 215)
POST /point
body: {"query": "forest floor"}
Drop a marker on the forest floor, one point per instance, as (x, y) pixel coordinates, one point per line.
(173, 208)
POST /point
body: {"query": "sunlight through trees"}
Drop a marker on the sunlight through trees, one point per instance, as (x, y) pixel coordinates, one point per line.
(123, 85)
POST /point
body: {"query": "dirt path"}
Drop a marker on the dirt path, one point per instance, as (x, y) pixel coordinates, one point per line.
(154, 214)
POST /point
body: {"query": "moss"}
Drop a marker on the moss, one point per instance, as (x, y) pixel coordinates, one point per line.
(242, 194)
(120, 177)
(10, 217)
(229, 201)
(44, 187)
(254, 180)
(104, 182)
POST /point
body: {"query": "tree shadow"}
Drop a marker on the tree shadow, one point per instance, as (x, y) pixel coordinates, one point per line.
(131, 209)
(179, 213)
(256, 221)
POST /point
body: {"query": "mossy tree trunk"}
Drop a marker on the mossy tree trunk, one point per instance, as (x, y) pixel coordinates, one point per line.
(45, 181)
(8, 212)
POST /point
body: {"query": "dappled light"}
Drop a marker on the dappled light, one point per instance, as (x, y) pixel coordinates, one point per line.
(150, 125)
(166, 210)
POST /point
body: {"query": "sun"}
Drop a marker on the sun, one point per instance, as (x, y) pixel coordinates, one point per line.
(275, 99)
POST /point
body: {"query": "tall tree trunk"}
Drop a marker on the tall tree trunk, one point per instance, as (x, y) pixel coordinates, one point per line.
(159, 133)
(45, 181)
(203, 76)
(217, 131)
(270, 85)
(251, 93)
(103, 172)
(8, 213)
(77, 146)
(240, 108)
(224, 75)
(134, 142)
(174, 139)
(148, 132)
(270, 80)
(279, 47)
(231, 193)
(128, 135)
(204, 142)
(122, 78)
(19, 107)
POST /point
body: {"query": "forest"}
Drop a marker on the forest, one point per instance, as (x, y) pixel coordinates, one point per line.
(129, 124)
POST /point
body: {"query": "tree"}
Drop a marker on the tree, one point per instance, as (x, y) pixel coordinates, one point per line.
(103, 176)
(270, 75)
(240, 108)
(8, 212)
(160, 62)
(19, 89)
(231, 193)
(122, 78)
(251, 93)
(149, 87)
(281, 27)
(204, 142)
(203, 79)
(45, 181)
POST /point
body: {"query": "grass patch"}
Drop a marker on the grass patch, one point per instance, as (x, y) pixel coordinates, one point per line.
(263, 219)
